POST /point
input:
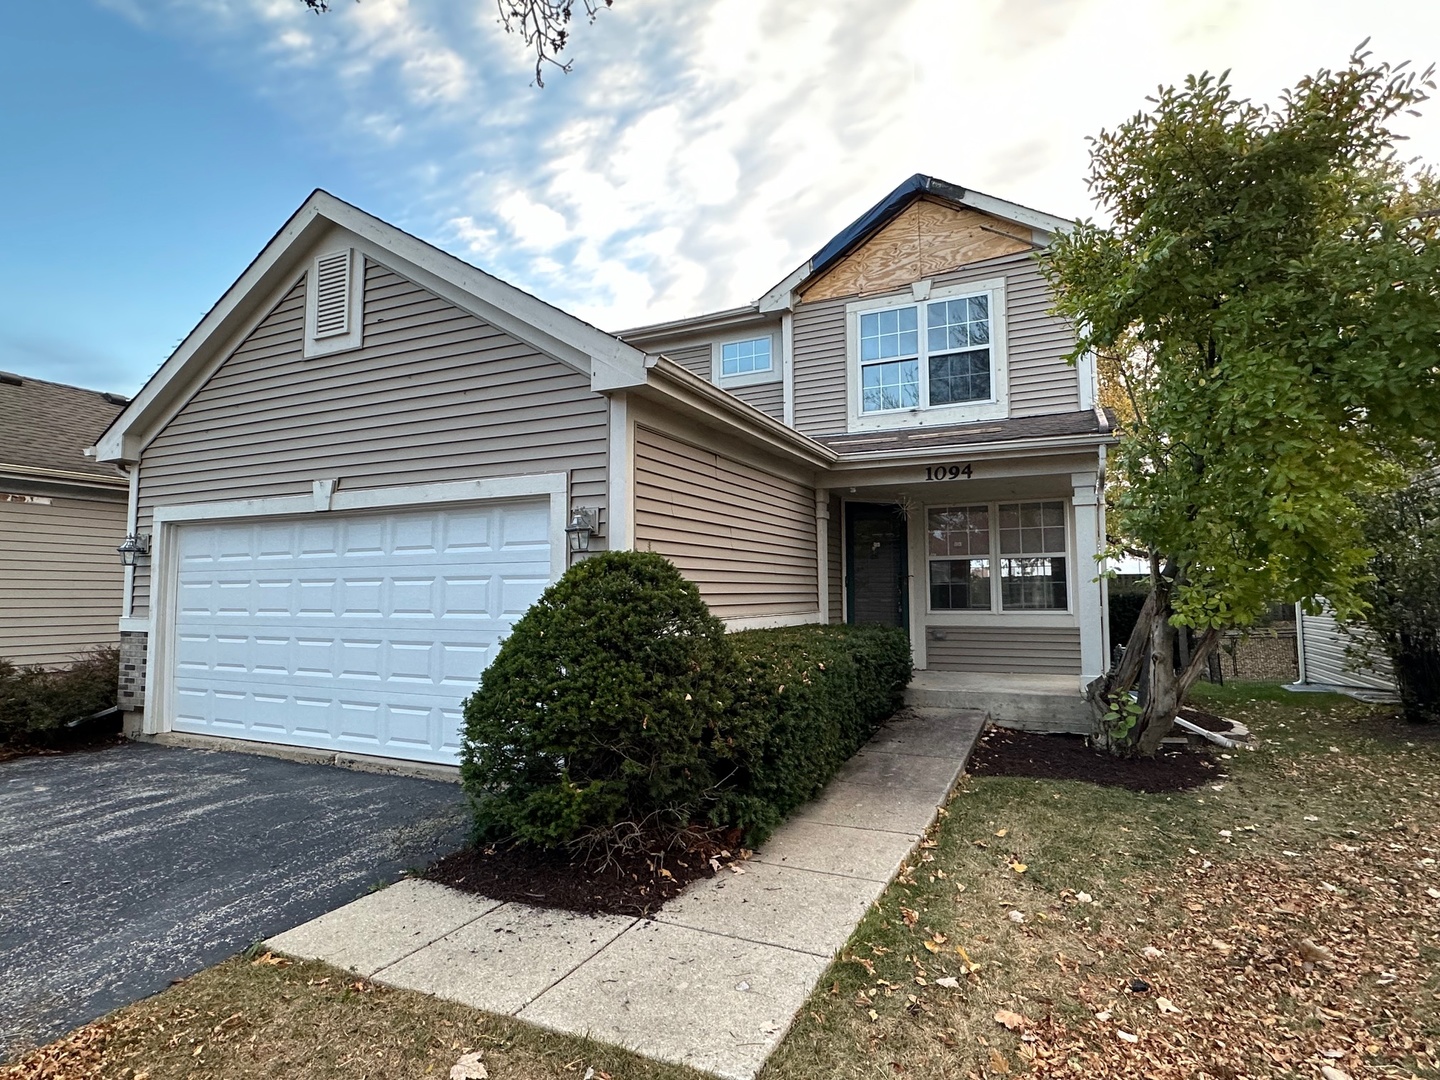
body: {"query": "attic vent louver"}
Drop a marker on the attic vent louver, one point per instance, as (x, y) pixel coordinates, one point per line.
(332, 294)
(334, 298)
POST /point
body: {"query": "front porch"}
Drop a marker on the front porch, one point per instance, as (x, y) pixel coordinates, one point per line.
(1029, 702)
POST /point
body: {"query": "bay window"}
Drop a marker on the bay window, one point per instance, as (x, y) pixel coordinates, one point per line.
(997, 557)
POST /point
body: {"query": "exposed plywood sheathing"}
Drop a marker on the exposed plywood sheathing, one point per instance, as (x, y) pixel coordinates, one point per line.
(925, 238)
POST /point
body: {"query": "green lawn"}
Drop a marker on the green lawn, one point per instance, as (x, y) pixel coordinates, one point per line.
(1288, 915)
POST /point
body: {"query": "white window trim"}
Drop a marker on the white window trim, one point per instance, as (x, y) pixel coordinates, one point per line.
(160, 648)
(997, 407)
(354, 336)
(750, 378)
(999, 615)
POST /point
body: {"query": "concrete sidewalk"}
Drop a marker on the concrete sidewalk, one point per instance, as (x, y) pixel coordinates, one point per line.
(740, 952)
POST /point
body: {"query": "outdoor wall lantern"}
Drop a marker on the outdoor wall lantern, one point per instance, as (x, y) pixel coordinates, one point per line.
(581, 528)
(135, 545)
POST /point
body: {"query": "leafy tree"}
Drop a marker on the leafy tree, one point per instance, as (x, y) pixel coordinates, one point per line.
(544, 26)
(1271, 287)
(1403, 593)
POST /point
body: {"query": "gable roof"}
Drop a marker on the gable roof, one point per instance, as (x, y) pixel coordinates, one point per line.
(45, 428)
(781, 296)
(609, 362)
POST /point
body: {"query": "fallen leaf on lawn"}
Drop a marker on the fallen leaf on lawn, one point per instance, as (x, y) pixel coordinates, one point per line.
(470, 1067)
(1103, 1015)
(998, 1061)
(1018, 867)
(910, 917)
(1329, 1072)
(939, 938)
(1012, 1021)
(949, 982)
(1126, 1036)
(970, 965)
(1315, 953)
(1016, 916)
(1150, 952)
(1165, 1005)
(1001, 832)
(874, 1016)
(1434, 894)
(930, 945)
(1084, 898)
(271, 958)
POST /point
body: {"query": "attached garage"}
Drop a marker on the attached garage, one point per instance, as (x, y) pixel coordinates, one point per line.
(353, 631)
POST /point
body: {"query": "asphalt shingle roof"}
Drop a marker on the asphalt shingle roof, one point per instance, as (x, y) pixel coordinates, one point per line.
(46, 425)
(1084, 422)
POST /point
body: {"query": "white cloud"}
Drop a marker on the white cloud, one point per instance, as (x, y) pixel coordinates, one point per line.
(699, 152)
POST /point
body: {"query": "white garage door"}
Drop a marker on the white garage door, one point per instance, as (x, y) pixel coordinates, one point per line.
(356, 633)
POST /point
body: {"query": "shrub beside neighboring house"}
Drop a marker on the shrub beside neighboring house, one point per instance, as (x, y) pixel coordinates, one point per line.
(619, 702)
(36, 703)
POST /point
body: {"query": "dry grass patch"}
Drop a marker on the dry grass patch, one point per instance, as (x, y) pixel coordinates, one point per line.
(1283, 920)
(269, 1018)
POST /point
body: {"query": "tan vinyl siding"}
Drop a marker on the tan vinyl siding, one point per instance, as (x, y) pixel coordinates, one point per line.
(744, 535)
(836, 558)
(696, 358)
(433, 395)
(60, 578)
(767, 397)
(1040, 379)
(1019, 649)
(1328, 659)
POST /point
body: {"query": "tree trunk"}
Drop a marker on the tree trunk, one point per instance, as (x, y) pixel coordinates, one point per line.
(1148, 667)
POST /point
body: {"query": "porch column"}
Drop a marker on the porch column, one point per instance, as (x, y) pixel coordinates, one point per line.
(1088, 606)
(822, 552)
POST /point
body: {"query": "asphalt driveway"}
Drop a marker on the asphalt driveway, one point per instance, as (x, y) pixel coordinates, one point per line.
(125, 869)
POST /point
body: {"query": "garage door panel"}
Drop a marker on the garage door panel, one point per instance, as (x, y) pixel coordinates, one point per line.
(356, 633)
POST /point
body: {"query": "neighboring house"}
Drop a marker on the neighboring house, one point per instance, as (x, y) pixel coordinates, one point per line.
(370, 458)
(62, 516)
(1332, 659)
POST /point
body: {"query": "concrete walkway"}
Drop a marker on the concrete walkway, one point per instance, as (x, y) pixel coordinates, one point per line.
(714, 980)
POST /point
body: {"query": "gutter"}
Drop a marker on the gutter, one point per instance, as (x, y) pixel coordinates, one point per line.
(21, 471)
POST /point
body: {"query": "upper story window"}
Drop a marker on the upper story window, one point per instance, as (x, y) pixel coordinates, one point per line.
(1025, 541)
(745, 357)
(744, 361)
(930, 357)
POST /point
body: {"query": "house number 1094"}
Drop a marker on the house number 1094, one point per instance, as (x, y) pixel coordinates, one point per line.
(948, 472)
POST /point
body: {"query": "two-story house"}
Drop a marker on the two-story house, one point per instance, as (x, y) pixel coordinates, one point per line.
(370, 457)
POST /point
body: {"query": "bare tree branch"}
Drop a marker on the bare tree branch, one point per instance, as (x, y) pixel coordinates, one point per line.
(543, 25)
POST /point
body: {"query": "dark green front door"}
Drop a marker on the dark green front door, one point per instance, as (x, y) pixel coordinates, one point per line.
(876, 567)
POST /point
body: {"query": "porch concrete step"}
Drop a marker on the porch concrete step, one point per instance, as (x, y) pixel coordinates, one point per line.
(1027, 702)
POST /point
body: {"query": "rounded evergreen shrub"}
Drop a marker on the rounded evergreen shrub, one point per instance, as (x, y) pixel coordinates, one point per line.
(606, 705)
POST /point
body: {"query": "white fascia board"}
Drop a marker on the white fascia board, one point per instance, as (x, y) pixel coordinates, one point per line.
(1021, 215)
(693, 326)
(782, 296)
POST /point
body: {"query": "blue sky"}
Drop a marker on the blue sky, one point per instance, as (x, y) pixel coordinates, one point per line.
(699, 150)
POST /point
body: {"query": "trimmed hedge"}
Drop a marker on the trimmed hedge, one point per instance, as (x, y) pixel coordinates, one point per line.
(812, 695)
(618, 698)
(36, 702)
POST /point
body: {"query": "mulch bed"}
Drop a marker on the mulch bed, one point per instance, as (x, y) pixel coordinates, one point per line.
(1005, 752)
(1207, 720)
(87, 737)
(632, 883)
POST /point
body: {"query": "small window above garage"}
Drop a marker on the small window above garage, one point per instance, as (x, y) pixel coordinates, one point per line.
(334, 298)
